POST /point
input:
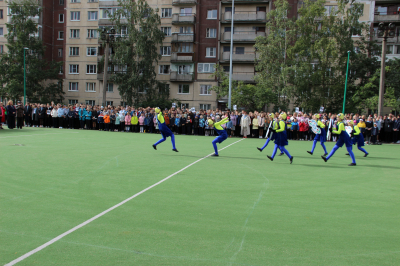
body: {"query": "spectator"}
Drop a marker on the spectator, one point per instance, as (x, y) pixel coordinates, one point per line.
(11, 112)
(141, 122)
(28, 114)
(245, 125)
(20, 115)
(2, 115)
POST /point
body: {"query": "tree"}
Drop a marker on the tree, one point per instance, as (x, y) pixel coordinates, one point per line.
(136, 53)
(248, 96)
(273, 66)
(23, 32)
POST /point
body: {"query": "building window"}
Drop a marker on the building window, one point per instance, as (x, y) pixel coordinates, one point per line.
(110, 87)
(92, 1)
(90, 102)
(397, 49)
(124, 104)
(1, 49)
(226, 69)
(75, 15)
(91, 51)
(239, 50)
(109, 103)
(212, 14)
(91, 34)
(330, 10)
(90, 69)
(205, 67)
(1, 31)
(165, 50)
(205, 89)
(73, 51)
(60, 52)
(73, 86)
(60, 71)
(185, 48)
(74, 34)
(184, 106)
(73, 69)
(164, 69)
(92, 15)
(389, 49)
(61, 18)
(166, 30)
(211, 52)
(61, 2)
(1, 13)
(183, 89)
(205, 106)
(90, 87)
(166, 12)
(75, 1)
(211, 33)
(72, 102)
(60, 35)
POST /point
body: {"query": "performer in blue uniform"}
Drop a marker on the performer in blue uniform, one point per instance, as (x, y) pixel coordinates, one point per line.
(222, 135)
(273, 127)
(357, 138)
(344, 138)
(165, 131)
(319, 137)
(281, 138)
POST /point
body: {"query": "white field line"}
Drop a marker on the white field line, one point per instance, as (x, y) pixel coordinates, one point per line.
(106, 211)
(34, 135)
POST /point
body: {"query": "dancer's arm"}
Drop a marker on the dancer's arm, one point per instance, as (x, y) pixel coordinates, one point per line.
(357, 131)
(160, 118)
(340, 129)
(281, 126)
(320, 124)
(217, 125)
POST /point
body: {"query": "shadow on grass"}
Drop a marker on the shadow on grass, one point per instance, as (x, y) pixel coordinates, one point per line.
(380, 166)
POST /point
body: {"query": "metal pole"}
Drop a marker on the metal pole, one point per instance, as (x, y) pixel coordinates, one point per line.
(345, 84)
(105, 71)
(24, 79)
(230, 57)
(382, 79)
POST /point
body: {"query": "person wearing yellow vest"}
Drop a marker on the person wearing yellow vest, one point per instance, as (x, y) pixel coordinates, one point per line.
(319, 137)
(281, 138)
(358, 138)
(344, 138)
(165, 131)
(222, 135)
(273, 127)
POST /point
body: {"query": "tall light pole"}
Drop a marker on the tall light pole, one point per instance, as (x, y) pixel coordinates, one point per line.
(107, 36)
(345, 84)
(25, 48)
(383, 32)
(230, 58)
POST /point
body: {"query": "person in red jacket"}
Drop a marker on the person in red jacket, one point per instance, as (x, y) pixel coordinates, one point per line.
(2, 115)
(302, 129)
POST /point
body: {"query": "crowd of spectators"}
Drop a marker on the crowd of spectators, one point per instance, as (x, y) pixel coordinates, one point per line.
(187, 121)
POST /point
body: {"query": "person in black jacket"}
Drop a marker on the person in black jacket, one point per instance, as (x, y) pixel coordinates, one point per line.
(368, 127)
(388, 128)
(11, 112)
(28, 115)
(71, 117)
(41, 114)
(183, 124)
(396, 128)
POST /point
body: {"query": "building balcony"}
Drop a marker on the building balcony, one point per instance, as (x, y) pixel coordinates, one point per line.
(247, 57)
(184, 2)
(181, 58)
(246, 77)
(245, 1)
(245, 16)
(175, 76)
(183, 18)
(387, 17)
(182, 37)
(241, 36)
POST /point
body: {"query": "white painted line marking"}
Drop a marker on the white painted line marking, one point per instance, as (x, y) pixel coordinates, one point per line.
(106, 211)
(35, 135)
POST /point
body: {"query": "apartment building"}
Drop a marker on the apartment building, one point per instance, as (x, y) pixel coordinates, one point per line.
(3, 29)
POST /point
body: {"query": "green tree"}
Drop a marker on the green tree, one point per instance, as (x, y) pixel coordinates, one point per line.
(136, 53)
(23, 32)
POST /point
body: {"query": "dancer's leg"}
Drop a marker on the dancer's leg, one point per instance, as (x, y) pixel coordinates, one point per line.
(313, 146)
(274, 152)
(335, 148)
(266, 144)
(282, 148)
(350, 150)
(323, 146)
(173, 141)
(161, 140)
(214, 143)
(363, 150)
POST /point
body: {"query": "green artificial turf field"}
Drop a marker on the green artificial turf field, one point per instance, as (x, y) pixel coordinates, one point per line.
(237, 209)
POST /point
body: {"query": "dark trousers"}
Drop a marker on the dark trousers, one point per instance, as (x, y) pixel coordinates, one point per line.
(88, 124)
(388, 136)
(201, 131)
(189, 129)
(71, 123)
(395, 136)
(373, 139)
(60, 121)
(107, 126)
(28, 120)
(82, 124)
(20, 122)
(55, 120)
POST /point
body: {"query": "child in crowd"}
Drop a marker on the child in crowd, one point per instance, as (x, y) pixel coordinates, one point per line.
(117, 122)
(88, 118)
(196, 125)
(177, 123)
(146, 123)
(100, 121)
(141, 122)
(201, 125)
(128, 118)
(295, 129)
(112, 120)
(207, 127)
(122, 120)
(229, 126)
(374, 133)
(134, 122)
(106, 121)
